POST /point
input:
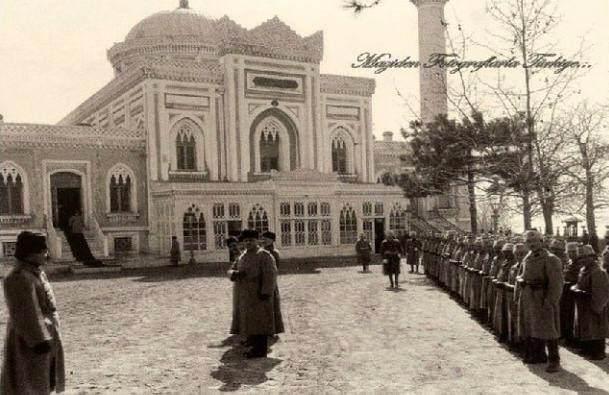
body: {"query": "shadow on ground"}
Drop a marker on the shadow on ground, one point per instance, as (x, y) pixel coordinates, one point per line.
(565, 380)
(236, 371)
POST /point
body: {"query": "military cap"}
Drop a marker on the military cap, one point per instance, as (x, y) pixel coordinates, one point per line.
(29, 243)
(571, 246)
(588, 250)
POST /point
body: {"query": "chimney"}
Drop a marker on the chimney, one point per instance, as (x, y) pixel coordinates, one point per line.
(388, 136)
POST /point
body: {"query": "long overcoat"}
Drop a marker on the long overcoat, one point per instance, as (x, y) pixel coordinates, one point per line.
(279, 328)
(540, 300)
(591, 322)
(363, 250)
(256, 283)
(32, 319)
(605, 257)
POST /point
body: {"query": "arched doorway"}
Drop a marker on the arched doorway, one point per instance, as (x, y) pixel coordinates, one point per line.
(66, 197)
(273, 142)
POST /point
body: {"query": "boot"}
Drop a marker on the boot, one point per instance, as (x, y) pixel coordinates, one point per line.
(554, 357)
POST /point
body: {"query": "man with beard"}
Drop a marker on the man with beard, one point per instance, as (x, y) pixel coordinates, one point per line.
(592, 295)
(542, 282)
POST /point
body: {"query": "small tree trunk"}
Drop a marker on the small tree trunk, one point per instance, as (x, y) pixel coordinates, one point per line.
(471, 193)
(526, 209)
(548, 210)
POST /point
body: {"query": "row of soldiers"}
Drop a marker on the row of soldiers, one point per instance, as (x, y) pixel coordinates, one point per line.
(529, 289)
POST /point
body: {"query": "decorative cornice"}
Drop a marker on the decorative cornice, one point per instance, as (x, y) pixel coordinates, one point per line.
(36, 135)
(344, 85)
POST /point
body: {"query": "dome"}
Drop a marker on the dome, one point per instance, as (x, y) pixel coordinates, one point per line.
(181, 22)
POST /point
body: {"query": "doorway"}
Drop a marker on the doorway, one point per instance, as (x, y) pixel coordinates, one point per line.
(66, 196)
(379, 233)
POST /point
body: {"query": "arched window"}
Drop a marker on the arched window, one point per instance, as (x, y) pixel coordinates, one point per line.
(186, 151)
(348, 225)
(339, 155)
(269, 146)
(258, 219)
(121, 186)
(194, 232)
(397, 219)
(12, 189)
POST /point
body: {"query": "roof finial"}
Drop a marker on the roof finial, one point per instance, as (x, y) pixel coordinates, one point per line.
(184, 4)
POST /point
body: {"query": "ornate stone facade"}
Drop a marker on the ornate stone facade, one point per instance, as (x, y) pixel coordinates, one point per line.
(208, 128)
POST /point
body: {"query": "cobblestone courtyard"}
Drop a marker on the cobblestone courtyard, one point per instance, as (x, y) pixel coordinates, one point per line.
(167, 332)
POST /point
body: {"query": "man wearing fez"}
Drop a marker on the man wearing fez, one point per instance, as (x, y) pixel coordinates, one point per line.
(567, 300)
(33, 351)
(268, 243)
(592, 297)
(363, 249)
(413, 246)
(256, 278)
(542, 283)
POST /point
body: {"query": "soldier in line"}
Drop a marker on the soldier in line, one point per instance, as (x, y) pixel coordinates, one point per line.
(391, 250)
(363, 249)
(605, 253)
(468, 259)
(542, 283)
(519, 251)
(500, 310)
(567, 300)
(592, 296)
(490, 270)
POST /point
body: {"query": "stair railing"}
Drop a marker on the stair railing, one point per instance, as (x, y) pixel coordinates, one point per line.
(99, 234)
(54, 241)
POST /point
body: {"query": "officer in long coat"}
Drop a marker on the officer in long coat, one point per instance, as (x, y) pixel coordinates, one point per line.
(33, 351)
(391, 249)
(233, 256)
(413, 247)
(256, 278)
(592, 297)
(542, 283)
(567, 300)
(268, 241)
(363, 249)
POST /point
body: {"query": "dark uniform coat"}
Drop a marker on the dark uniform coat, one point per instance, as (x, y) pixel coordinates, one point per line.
(592, 307)
(391, 250)
(542, 287)
(363, 250)
(32, 319)
(257, 279)
(279, 328)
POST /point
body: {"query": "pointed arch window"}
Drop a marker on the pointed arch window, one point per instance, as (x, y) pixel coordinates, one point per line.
(269, 147)
(397, 219)
(258, 219)
(186, 149)
(348, 225)
(194, 231)
(11, 192)
(339, 155)
(121, 184)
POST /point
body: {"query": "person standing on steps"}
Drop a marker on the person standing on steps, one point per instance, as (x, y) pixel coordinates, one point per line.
(363, 249)
(391, 249)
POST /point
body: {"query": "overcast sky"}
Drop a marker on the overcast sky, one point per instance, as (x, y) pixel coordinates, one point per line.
(53, 52)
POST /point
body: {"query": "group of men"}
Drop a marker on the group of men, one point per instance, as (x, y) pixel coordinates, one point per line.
(256, 301)
(532, 291)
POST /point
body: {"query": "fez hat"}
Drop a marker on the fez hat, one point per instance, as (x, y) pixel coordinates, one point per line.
(508, 247)
(230, 240)
(248, 234)
(269, 235)
(558, 244)
(572, 246)
(29, 243)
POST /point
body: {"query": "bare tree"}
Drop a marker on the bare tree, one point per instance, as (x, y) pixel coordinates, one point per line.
(585, 128)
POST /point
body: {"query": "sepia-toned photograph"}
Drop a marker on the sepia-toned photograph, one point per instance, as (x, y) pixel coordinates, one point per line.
(304, 197)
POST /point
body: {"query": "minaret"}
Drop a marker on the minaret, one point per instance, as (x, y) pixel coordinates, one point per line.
(431, 40)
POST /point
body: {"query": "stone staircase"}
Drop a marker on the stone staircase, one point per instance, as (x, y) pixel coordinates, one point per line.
(96, 246)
